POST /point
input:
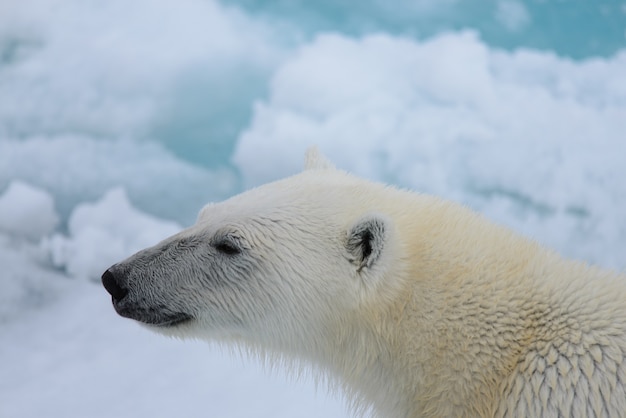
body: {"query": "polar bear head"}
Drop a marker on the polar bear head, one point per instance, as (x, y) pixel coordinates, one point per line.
(279, 266)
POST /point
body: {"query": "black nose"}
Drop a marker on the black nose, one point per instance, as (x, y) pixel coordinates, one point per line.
(112, 284)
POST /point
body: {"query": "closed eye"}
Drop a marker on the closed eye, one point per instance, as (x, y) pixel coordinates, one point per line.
(227, 248)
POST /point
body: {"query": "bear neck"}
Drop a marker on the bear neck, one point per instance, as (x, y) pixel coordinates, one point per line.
(416, 351)
(457, 327)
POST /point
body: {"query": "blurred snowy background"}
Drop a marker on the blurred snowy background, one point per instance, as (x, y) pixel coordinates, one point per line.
(119, 120)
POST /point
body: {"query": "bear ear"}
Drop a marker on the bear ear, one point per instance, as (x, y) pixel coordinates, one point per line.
(367, 239)
(314, 160)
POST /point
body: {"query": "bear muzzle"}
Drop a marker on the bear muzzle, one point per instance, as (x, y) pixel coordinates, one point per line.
(114, 281)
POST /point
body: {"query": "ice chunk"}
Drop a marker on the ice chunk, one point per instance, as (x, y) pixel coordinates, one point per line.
(26, 211)
(66, 68)
(103, 233)
(77, 168)
(25, 282)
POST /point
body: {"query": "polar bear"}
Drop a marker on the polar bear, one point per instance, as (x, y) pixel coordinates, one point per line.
(416, 306)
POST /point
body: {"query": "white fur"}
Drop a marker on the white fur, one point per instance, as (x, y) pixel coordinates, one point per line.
(314, 160)
(438, 313)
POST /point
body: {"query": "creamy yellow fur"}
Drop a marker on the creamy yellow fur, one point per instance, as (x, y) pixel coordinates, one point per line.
(482, 323)
(489, 324)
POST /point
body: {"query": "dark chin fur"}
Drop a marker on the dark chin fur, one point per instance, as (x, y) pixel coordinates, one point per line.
(171, 321)
(151, 316)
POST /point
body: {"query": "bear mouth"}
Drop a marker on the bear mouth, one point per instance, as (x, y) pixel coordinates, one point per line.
(168, 321)
(152, 316)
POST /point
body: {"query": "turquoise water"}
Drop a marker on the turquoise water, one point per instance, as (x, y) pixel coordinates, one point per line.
(576, 29)
(573, 28)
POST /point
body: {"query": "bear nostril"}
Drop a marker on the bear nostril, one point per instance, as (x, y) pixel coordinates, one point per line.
(111, 285)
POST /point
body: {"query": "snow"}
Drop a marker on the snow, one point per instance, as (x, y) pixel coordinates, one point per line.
(103, 233)
(27, 211)
(109, 68)
(77, 358)
(26, 282)
(75, 168)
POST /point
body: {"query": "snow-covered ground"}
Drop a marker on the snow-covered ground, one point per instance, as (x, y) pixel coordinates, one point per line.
(77, 358)
(118, 121)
